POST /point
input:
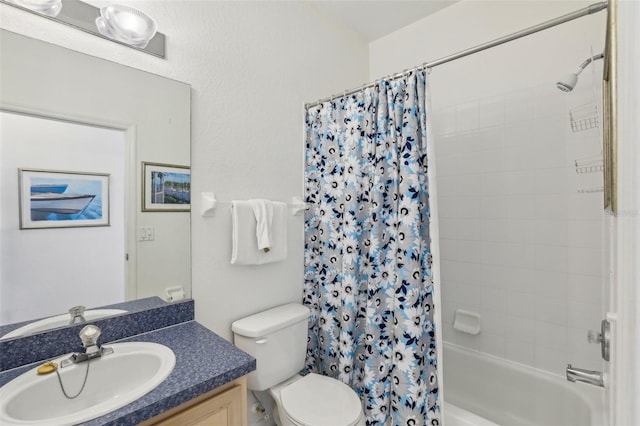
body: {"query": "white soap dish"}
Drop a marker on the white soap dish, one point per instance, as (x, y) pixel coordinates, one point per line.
(467, 321)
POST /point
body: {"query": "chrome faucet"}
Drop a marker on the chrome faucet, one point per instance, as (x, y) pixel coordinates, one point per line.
(586, 376)
(89, 336)
(77, 314)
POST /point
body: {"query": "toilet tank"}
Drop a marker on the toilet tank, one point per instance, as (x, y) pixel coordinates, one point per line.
(277, 339)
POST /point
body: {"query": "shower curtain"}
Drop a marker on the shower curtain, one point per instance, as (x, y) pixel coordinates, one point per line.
(367, 249)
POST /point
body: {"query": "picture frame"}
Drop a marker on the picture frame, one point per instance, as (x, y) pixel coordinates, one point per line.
(166, 187)
(63, 199)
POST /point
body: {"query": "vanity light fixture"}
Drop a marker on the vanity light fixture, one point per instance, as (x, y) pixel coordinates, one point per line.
(121, 24)
(46, 7)
(126, 24)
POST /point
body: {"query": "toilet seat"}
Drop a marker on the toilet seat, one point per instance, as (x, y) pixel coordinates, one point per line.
(320, 401)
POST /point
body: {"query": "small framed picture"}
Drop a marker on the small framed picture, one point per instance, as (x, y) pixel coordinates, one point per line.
(61, 199)
(166, 188)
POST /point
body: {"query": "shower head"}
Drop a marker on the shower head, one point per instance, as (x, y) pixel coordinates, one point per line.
(569, 81)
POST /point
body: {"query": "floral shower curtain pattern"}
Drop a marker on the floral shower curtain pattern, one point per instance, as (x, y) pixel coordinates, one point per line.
(367, 250)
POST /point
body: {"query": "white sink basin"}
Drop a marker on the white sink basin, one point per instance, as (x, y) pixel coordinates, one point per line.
(59, 321)
(114, 380)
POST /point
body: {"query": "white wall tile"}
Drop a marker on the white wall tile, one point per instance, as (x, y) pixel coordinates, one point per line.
(519, 328)
(446, 206)
(551, 207)
(467, 116)
(468, 229)
(448, 184)
(492, 138)
(494, 207)
(448, 249)
(493, 299)
(493, 322)
(464, 339)
(518, 109)
(552, 258)
(447, 228)
(467, 162)
(550, 310)
(492, 276)
(519, 255)
(469, 185)
(551, 335)
(470, 251)
(521, 351)
(491, 112)
(585, 288)
(461, 272)
(520, 182)
(493, 253)
(584, 315)
(521, 230)
(551, 284)
(465, 294)
(520, 279)
(552, 181)
(587, 261)
(493, 184)
(585, 233)
(493, 230)
(551, 232)
(521, 305)
(448, 312)
(585, 206)
(468, 207)
(444, 120)
(551, 154)
(521, 207)
(550, 359)
(493, 344)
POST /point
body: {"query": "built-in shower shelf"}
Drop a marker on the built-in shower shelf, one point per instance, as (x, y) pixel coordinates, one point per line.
(589, 166)
(584, 117)
(591, 190)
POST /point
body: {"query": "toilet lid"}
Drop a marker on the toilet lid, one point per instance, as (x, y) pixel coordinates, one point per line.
(321, 401)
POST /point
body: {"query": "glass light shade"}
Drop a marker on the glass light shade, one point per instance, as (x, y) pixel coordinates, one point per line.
(46, 7)
(126, 24)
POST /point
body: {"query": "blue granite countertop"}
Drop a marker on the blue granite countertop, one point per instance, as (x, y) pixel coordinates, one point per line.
(204, 361)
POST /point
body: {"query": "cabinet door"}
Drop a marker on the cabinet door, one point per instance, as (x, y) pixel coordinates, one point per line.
(223, 409)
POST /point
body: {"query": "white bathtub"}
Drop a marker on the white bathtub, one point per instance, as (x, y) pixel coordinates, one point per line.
(482, 390)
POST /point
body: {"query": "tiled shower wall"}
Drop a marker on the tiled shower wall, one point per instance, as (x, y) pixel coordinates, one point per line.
(520, 245)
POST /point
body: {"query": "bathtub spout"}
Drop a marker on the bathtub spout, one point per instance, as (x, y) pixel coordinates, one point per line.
(586, 376)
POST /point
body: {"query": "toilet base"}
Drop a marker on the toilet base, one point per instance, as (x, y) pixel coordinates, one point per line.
(281, 418)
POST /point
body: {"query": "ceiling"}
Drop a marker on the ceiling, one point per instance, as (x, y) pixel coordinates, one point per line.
(374, 19)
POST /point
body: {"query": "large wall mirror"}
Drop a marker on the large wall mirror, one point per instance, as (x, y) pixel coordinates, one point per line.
(70, 118)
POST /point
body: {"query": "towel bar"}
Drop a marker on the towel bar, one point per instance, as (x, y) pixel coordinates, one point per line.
(208, 204)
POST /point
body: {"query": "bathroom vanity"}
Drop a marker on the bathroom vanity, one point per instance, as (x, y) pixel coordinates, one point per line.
(206, 383)
(223, 406)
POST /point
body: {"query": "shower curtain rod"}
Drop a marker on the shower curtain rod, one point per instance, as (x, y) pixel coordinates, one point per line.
(594, 8)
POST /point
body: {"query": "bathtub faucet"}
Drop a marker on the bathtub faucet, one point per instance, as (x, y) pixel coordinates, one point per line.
(586, 376)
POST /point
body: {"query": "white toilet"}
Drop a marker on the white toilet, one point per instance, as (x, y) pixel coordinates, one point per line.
(277, 339)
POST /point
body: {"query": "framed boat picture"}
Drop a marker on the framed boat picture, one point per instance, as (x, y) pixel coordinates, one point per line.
(166, 188)
(63, 199)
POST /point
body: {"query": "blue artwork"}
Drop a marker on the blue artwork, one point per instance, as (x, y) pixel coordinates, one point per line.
(54, 199)
(170, 188)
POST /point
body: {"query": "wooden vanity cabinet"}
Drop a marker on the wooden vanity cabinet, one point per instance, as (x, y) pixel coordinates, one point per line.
(222, 406)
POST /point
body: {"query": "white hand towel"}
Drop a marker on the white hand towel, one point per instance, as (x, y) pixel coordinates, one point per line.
(244, 242)
(263, 212)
